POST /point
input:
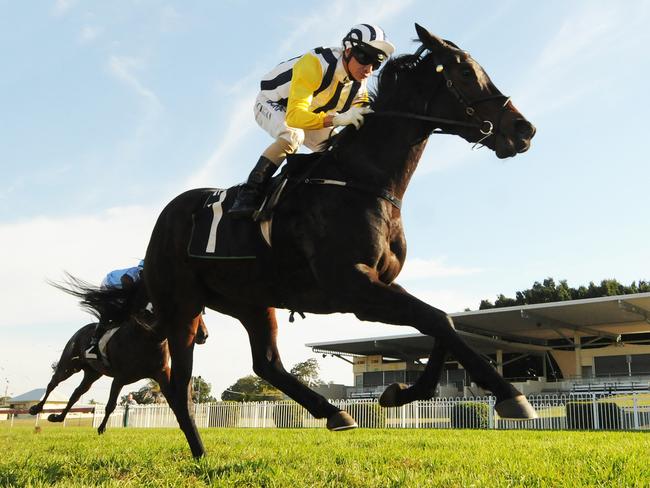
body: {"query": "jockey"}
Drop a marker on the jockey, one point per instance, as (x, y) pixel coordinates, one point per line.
(302, 98)
(119, 278)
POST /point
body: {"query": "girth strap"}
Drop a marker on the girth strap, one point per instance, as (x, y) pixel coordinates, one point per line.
(381, 193)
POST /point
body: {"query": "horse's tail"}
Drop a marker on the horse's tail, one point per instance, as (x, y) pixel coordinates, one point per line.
(110, 304)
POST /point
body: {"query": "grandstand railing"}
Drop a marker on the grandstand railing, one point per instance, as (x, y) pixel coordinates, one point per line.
(556, 412)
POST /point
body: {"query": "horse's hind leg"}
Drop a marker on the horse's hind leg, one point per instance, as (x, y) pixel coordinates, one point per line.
(116, 387)
(90, 376)
(262, 329)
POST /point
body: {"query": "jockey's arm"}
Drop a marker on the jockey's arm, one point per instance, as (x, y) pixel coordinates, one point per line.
(306, 78)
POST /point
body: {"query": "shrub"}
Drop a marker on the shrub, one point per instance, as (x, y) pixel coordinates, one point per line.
(580, 415)
(368, 415)
(288, 415)
(225, 414)
(470, 415)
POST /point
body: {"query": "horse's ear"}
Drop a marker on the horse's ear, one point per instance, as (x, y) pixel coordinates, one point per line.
(429, 40)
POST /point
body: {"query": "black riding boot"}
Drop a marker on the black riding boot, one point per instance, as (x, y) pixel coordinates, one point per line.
(248, 198)
(93, 351)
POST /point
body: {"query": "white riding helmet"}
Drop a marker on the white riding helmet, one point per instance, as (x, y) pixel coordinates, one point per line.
(368, 34)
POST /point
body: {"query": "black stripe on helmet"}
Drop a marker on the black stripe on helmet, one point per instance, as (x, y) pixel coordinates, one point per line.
(373, 32)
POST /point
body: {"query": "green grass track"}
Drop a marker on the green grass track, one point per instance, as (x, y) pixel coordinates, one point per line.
(77, 456)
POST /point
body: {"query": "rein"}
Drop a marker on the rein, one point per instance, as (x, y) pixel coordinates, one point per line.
(486, 127)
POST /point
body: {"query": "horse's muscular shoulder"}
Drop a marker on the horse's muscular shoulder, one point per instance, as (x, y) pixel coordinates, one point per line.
(394, 254)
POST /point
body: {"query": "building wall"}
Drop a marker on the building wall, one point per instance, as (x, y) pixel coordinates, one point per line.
(566, 360)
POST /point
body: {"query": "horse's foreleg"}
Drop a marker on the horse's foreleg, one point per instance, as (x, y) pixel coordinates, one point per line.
(90, 376)
(116, 387)
(181, 348)
(262, 331)
(370, 299)
(424, 388)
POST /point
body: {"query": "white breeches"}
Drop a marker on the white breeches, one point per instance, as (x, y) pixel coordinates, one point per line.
(270, 116)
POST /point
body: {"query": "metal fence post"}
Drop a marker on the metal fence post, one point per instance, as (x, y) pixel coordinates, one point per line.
(491, 413)
(635, 411)
(595, 412)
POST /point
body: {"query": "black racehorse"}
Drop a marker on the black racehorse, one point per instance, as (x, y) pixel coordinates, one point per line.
(134, 351)
(339, 249)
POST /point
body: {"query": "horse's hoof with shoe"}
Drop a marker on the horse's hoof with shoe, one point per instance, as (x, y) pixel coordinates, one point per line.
(517, 408)
(55, 418)
(34, 409)
(341, 420)
(390, 396)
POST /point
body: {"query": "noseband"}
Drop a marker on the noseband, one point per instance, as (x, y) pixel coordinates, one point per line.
(484, 125)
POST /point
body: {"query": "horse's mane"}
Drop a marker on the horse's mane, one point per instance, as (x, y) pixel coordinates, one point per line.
(109, 304)
(386, 95)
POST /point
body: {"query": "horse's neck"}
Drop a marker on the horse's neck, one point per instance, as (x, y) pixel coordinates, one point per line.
(387, 153)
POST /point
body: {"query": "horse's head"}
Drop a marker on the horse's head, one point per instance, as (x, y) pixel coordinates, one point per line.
(461, 91)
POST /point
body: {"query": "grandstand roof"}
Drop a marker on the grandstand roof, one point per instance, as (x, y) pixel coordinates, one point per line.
(524, 329)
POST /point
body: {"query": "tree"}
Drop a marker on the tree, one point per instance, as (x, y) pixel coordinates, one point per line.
(149, 393)
(549, 291)
(308, 372)
(251, 389)
(201, 390)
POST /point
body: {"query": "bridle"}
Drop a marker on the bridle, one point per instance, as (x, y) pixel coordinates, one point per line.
(485, 126)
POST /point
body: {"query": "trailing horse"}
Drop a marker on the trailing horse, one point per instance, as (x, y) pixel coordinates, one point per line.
(134, 351)
(338, 244)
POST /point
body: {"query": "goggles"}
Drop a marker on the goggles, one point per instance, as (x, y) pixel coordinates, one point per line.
(366, 56)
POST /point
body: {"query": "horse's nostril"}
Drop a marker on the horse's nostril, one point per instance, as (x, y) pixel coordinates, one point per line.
(524, 128)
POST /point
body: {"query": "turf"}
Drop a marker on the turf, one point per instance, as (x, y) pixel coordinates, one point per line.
(77, 456)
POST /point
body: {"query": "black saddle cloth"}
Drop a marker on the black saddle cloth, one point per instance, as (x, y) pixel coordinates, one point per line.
(216, 235)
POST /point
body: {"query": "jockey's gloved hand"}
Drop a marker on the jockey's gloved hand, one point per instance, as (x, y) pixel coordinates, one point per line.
(353, 116)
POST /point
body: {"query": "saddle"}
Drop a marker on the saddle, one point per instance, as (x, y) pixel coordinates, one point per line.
(296, 170)
(103, 343)
(217, 235)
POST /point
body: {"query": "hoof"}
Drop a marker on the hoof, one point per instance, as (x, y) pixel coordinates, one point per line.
(101, 430)
(341, 420)
(516, 408)
(33, 410)
(54, 418)
(389, 397)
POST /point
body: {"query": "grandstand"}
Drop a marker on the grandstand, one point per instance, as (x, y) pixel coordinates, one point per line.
(597, 345)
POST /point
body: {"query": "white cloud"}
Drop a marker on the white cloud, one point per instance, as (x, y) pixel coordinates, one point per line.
(219, 166)
(89, 33)
(573, 63)
(43, 248)
(417, 269)
(61, 7)
(170, 19)
(124, 68)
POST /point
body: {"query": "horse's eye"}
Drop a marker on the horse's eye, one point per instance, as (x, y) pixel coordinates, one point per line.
(466, 72)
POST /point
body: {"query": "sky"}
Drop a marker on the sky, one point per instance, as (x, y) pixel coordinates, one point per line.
(110, 109)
